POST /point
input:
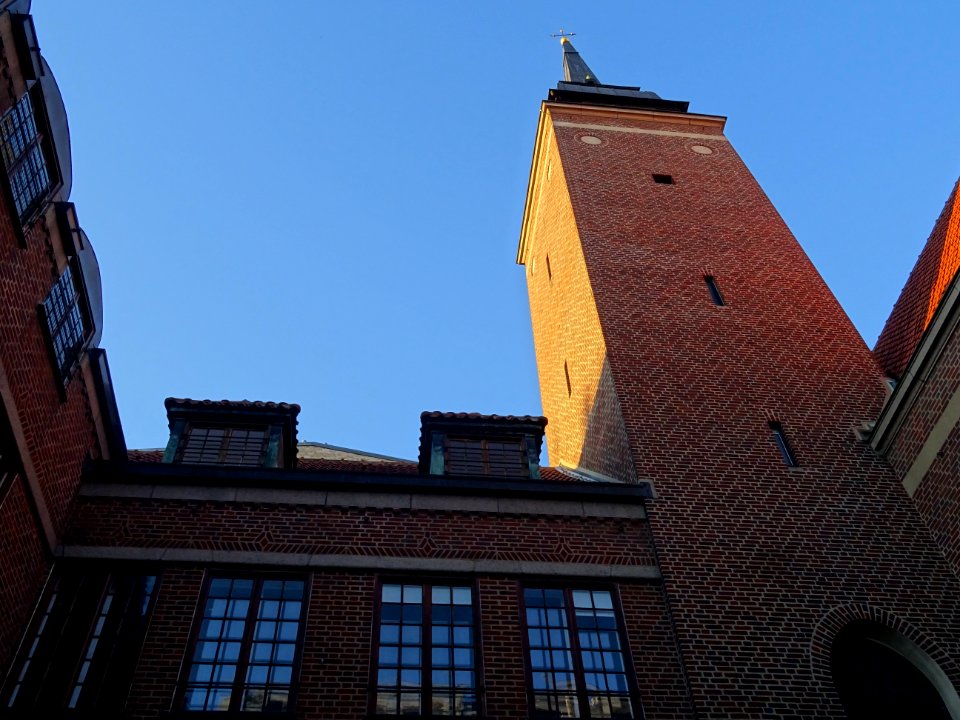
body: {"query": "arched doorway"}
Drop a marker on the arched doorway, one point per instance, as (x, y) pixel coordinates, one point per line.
(880, 674)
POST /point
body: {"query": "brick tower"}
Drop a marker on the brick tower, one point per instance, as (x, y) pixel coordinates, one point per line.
(684, 338)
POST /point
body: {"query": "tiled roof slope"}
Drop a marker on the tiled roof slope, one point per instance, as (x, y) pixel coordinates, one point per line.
(330, 464)
(935, 268)
(172, 402)
(535, 419)
(383, 467)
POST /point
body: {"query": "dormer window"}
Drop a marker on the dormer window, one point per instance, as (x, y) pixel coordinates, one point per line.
(494, 446)
(239, 434)
(223, 445)
(23, 157)
(493, 457)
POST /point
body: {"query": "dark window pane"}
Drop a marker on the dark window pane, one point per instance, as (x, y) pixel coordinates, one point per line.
(390, 613)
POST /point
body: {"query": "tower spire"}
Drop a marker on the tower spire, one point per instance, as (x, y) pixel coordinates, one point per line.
(580, 85)
(575, 69)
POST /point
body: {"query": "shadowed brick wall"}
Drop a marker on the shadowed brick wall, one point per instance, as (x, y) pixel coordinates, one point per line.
(937, 495)
(58, 432)
(24, 566)
(131, 522)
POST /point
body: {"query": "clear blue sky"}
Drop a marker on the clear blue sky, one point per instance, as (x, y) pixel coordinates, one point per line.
(320, 202)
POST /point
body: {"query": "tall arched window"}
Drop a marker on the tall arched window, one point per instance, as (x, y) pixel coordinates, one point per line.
(880, 674)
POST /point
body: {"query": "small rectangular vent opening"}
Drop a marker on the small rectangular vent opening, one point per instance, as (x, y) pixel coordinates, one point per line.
(663, 179)
(780, 438)
(714, 290)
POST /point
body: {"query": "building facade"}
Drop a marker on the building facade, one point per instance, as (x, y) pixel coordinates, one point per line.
(742, 519)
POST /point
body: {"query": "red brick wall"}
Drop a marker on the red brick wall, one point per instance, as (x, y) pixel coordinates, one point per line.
(59, 434)
(313, 529)
(23, 568)
(937, 496)
(165, 645)
(753, 553)
(586, 423)
(935, 268)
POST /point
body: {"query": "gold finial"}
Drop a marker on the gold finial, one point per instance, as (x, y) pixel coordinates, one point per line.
(564, 36)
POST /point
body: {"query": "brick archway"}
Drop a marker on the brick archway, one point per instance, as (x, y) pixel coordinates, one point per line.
(839, 617)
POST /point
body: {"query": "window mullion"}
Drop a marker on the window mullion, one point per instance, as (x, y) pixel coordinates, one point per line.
(578, 672)
(224, 444)
(485, 455)
(426, 643)
(246, 647)
(298, 648)
(21, 159)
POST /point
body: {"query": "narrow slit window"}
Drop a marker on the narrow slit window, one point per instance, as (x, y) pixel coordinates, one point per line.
(566, 373)
(714, 290)
(780, 438)
(549, 269)
(663, 179)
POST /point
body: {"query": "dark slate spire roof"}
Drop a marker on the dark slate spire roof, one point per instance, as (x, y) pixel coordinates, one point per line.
(580, 85)
(575, 69)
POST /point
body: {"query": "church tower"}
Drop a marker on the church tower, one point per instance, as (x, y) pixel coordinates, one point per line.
(683, 338)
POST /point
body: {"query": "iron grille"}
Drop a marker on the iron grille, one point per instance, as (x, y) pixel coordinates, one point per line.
(23, 156)
(65, 321)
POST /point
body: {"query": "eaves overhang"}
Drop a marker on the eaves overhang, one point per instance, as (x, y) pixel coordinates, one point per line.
(613, 96)
(142, 473)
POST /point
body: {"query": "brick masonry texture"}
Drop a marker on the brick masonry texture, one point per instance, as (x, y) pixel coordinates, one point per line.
(335, 670)
(754, 554)
(165, 645)
(357, 531)
(59, 433)
(935, 268)
(24, 565)
(586, 424)
(937, 494)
